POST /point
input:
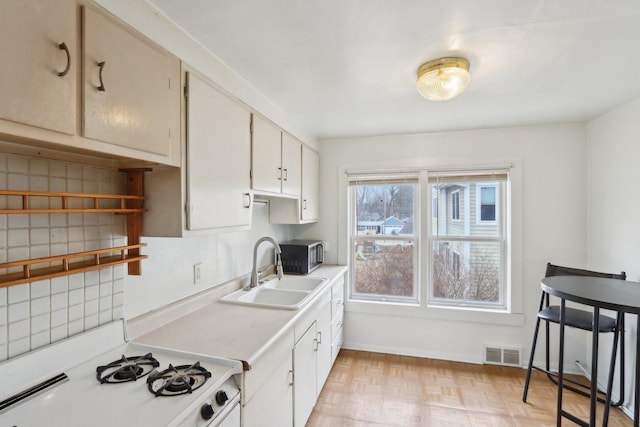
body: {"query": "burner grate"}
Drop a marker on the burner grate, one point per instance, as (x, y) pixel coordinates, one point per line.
(177, 380)
(126, 369)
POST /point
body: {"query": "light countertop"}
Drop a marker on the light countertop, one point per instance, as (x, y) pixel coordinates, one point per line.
(233, 331)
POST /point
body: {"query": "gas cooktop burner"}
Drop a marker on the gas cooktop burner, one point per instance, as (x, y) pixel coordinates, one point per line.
(177, 380)
(126, 369)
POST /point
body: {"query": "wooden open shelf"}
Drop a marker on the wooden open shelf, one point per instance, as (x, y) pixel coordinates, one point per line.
(66, 266)
(129, 204)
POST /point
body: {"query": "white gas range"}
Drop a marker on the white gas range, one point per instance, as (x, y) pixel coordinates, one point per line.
(88, 380)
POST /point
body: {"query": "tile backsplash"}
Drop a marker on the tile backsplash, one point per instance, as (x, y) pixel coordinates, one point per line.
(36, 314)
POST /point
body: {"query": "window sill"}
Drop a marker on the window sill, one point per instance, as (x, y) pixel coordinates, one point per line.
(453, 314)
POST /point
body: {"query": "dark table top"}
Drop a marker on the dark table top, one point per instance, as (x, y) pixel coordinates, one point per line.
(612, 294)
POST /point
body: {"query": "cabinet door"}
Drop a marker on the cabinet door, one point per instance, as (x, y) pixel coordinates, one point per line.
(218, 158)
(31, 89)
(272, 404)
(324, 359)
(129, 88)
(266, 156)
(304, 375)
(310, 184)
(291, 165)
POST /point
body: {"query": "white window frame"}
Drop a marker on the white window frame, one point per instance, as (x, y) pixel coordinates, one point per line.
(479, 187)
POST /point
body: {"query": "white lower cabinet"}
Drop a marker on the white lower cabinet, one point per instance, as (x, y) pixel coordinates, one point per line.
(304, 379)
(267, 392)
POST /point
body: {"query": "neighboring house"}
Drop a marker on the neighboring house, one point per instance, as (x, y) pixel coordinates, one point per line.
(390, 226)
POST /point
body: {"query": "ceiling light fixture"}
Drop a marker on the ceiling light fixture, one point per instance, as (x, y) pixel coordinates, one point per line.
(443, 79)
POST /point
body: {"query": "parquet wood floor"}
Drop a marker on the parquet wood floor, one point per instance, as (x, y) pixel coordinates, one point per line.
(376, 390)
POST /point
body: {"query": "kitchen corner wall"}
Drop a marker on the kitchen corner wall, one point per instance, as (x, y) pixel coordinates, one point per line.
(35, 314)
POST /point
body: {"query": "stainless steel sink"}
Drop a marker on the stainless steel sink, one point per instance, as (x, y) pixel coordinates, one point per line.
(290, 293)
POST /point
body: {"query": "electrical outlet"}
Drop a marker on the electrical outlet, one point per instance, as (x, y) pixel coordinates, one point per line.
(197, 273)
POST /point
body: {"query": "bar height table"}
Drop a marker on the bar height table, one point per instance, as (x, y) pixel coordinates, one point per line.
(621, 296)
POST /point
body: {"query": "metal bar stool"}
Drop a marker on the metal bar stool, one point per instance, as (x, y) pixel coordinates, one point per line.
(575, 318)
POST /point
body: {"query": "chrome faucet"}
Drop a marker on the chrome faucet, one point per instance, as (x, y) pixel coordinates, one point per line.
(254, 272)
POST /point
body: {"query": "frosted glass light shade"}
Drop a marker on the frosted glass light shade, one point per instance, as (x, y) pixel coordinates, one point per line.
(443, 79)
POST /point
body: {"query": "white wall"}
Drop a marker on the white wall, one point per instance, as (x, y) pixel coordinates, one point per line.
(613, 206)
(549, 225)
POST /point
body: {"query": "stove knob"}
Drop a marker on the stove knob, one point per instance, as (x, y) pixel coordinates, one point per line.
(221, 397)
(207, 411)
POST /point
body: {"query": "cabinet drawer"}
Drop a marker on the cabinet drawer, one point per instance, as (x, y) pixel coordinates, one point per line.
(312, 314)
(336, 345)
(337, 300)
(336, 325)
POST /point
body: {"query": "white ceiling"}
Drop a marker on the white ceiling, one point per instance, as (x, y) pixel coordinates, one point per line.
(348, 67)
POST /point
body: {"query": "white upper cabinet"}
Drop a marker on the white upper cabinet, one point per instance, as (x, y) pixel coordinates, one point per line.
(131, 88)
(38, 41)
(309, 209)
(275, 159)
(218, 158)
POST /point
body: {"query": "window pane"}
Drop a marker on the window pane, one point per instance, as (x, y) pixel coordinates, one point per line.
(487, 203)
(467, 271)
(383, 241)
(383, 267)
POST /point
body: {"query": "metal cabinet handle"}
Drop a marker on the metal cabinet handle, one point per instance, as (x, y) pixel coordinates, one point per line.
(304, 204)
(247, 196)
(63, 46)
(280, 177)
(291, 377)
(315, 344)
(101, 66)
(319, 337)
(286, 174)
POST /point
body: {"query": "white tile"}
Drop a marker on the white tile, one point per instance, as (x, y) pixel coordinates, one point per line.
(4, 355)
(18, 181)
(91, 233)
(40, 220)
(39, 183)
(75, 219)
(40, 306)
(18, 293)
(57, 184)
(90, 219)
(91, 321)
(59, 301)
(18, 164)
(90, 173)
(91, 245)
(76, 327)
(76, 312)
(106, 303)
(75, 234)
(59, 284)
(18, 347)
(40, 323)
(58, 220)
(74, 171)
(59, 333)
(91, 278)
(76, 296)
(18, 221)
(3, 296)
(39, 251)
(3, 334)
(118, 286)
(19, 329)
(18, 237)
(59, 249)
(39, 236)
(4, 314)
(3, 163)
(76, 281)
(118, 300)
(40, 339)
(18, 311)
(3, 221)
(106, 288)
(40, 288)
(91, 292)
(58, 318)
(39, 167)
(75, 247)
(91, 307)
(105, 317)
(58, 235)
(58, 169)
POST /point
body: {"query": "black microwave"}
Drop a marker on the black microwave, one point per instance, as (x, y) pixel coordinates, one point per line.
(301, 256)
